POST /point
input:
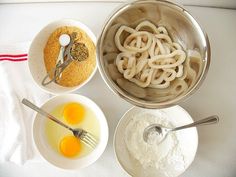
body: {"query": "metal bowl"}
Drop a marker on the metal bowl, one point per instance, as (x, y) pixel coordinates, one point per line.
(181, 26)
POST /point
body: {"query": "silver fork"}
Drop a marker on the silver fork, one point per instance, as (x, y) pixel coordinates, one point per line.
(83, 135)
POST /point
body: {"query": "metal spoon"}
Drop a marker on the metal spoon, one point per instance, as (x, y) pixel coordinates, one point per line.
(161, 132)
(64, 40)
(60, 67)
(74, 51)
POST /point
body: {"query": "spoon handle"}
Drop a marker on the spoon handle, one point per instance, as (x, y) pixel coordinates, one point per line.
(44, 113)
(209, 120)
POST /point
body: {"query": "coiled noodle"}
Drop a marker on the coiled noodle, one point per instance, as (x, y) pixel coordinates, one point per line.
(149, 59)
(148, 64)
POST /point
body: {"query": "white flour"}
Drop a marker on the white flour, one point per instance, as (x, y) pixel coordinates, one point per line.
(165, 159)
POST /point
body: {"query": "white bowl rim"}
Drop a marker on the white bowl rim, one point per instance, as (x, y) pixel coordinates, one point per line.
(95, 158)
(89, 32)
(130, 109)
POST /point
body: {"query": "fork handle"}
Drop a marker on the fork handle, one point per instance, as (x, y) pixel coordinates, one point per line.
(206, 121)
(44, 113)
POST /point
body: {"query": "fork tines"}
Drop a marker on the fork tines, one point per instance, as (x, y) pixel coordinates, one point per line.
(88, 139)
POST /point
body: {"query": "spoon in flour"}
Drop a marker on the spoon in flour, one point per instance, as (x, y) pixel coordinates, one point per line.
(158, 132)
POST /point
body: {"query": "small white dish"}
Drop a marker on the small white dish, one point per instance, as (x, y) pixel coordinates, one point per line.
(36, 58)
(53, 157)
(177, 116)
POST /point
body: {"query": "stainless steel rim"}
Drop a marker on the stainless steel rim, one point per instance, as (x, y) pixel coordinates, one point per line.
(140, 103)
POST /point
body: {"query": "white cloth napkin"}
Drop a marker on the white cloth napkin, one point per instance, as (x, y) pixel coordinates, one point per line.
(16, 119)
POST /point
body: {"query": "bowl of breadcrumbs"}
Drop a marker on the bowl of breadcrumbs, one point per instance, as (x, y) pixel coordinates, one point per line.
(44, 52)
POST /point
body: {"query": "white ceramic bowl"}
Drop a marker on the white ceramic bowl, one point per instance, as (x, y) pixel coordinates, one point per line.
(177, 116)
(36, 58)
(54, 157)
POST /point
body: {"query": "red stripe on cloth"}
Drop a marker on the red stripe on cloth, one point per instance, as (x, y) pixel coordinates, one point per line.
(14, 60)
(18, 55)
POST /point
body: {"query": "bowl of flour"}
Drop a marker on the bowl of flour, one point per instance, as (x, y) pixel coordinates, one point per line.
(170, 158)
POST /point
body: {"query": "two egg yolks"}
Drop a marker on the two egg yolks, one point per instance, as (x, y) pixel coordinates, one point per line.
(73, 113)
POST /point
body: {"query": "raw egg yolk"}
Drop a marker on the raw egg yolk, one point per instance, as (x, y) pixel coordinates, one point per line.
(73, 113)
(70, 146)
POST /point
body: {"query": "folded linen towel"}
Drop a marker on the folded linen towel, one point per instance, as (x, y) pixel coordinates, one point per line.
(15, 119)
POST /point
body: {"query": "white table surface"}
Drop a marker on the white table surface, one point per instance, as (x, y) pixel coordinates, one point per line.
(209, 3)
(217, 144)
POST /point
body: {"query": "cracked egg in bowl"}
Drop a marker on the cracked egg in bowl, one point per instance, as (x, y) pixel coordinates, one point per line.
(59, 146)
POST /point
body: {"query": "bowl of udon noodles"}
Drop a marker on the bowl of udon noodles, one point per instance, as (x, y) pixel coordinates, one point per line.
(153, 53)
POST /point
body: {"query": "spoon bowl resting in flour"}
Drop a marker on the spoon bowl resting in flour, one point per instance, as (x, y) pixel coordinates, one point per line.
(157, 133)
(141, 159)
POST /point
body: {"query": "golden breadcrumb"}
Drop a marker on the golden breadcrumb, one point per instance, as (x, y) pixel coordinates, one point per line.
(77, 72)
